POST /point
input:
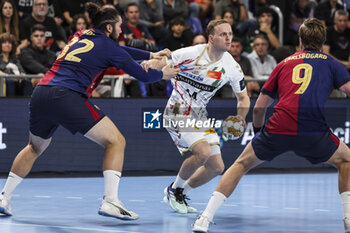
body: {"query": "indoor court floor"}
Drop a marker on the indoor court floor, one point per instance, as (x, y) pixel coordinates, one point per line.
(265, 203)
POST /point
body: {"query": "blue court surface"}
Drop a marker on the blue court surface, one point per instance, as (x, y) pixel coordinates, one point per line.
(273, 203)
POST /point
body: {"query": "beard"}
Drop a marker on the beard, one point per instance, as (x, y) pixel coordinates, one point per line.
(114, 35)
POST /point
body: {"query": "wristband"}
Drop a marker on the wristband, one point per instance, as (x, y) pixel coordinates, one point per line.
(256, 129)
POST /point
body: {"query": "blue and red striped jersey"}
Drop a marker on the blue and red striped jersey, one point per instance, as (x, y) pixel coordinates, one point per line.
(81, 64)
(303, 83)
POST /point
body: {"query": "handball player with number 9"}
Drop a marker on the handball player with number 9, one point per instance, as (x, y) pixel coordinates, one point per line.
(302, 83)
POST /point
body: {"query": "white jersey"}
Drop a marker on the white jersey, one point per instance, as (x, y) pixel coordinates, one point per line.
(199, 80)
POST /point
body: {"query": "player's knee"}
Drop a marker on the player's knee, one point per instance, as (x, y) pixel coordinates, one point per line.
(120, 141)
(35, 149)
(243, 164)
(343, 165)
(203, 154)
(219, 167)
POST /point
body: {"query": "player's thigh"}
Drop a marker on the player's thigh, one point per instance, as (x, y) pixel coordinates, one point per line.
(342, 154)
(105, 132)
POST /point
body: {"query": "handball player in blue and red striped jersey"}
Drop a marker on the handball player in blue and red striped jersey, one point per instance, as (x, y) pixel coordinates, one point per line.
(61, 98)
(302, 83)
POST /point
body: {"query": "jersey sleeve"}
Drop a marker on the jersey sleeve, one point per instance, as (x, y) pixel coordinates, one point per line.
(236, 76)
(340, 74)
(136, 54)
(121, 59)
(271, 85)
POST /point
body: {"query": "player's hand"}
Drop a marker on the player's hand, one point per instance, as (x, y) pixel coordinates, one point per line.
(145, 65)
(161, 54)
(169, 71)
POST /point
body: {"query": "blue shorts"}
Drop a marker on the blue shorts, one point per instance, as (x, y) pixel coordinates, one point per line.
(51, 106)
(315, 148)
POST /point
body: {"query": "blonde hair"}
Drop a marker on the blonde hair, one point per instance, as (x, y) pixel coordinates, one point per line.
(212, 24)
(313, 34)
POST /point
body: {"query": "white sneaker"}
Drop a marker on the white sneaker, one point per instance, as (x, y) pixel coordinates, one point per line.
(175, 199)
(5, 207)
(347, 225)
(191, 210)
(116, 210)
(201, 224)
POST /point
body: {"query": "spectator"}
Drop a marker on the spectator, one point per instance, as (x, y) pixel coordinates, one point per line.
(265, 27)
(228, 16)
(36, 59)
(133, 33)
(173, 9)
(24, 8)
(239, 12)
(199, 39)
(237, 8)
(137, 36)
(151, 16)
(9, 19)
(236, 50)
(54, 40)
(325, 11)
(206, 9)
(177, 38)
(301, 11)
(71, 8)
(338, 39)
(262, 63)
(9, 64)
(80, 22)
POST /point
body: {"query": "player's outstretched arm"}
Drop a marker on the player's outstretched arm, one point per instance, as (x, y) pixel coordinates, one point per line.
(259, 111)
(243, 104)
(154, 64)
(159, 55)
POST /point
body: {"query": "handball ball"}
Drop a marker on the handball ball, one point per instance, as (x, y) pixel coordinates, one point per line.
(232, 128)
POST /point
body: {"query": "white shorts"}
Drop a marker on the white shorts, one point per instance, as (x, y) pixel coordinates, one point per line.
(185, 141)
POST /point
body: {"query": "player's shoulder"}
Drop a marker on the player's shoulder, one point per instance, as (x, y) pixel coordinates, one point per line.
(230, 63)
(190, 51)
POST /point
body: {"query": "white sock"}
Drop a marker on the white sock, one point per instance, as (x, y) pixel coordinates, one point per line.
(345, 197)
(179, 182)
(187, 188)
(216, 200)
(111, 179)
(11, 183)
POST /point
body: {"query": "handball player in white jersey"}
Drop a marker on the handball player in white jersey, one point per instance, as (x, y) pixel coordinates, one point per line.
(205, 68)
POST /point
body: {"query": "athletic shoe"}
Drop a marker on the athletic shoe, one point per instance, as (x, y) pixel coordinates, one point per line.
(5, 207)
(201, 224)
(347, 225)
(177, 200)
(116, 210)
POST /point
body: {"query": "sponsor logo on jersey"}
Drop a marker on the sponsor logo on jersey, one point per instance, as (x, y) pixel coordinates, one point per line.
(195, 84)
(214, 74)
(192, 76)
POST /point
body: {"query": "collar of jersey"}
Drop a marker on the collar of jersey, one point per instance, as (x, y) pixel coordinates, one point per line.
(200, 56)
